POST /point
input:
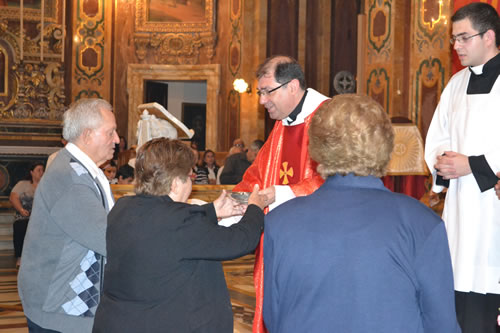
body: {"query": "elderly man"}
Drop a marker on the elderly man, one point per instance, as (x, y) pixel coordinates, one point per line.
(353, 256)
(61, 272)
(236, 164)
(283, 168)
(462, 150)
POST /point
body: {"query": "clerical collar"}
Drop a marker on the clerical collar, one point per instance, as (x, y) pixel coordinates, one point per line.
(483, 77)
(293, 115)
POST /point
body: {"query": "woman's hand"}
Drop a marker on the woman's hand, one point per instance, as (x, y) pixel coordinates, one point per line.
(16, 203)
(225, 206)
(24, 212)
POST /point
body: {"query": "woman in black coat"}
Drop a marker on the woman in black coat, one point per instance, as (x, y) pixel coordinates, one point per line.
(163, 271)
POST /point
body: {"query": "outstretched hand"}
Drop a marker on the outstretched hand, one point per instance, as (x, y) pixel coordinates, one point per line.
(269, 193)
(225, 206)
(257, 198)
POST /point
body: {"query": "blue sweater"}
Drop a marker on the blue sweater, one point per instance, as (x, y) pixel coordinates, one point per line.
(355, 257)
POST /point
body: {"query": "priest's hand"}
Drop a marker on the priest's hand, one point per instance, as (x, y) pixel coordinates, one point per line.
(497, 186)
(225, 206)
(452, 165)
(257, 199)
(270, 194)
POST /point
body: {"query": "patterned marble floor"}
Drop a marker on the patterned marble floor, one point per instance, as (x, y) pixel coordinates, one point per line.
(12, 318)
(238, 276)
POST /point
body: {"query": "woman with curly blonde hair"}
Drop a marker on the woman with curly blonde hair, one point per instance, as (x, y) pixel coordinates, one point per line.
(353, 256)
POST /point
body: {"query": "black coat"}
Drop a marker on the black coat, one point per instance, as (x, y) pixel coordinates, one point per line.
(163, 271)
(234, 168)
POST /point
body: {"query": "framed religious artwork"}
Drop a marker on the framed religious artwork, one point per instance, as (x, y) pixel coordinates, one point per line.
(175, 16)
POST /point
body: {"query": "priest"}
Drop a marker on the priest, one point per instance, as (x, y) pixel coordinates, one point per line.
(283, 168)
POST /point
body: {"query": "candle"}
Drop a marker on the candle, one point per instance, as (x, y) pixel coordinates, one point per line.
(41, 32)
(21, 34)
(63, 29)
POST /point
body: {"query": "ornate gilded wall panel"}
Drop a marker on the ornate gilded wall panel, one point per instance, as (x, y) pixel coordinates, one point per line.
(378, 86)
(429, 76)
(91, 51)
(379, 51)
(234, 56)
(32, 11)
(9, 81)
(430, 58)
(174, 33)
(31, 73)
(414, 59)
(379, 24)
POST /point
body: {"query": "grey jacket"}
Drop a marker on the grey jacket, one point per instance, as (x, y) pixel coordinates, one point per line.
(61, 272)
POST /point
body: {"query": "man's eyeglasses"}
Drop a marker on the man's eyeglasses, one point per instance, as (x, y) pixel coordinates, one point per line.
(463, 39)
(268, 92)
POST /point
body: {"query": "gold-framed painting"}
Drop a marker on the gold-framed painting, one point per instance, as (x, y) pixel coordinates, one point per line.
(11, 9)
(175, 16)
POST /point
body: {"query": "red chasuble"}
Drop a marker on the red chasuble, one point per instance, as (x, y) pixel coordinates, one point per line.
(283, 160)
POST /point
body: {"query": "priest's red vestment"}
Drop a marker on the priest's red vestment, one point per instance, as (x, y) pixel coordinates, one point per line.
(276, 165)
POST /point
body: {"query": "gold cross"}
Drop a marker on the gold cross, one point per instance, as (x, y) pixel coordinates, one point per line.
(285, 173)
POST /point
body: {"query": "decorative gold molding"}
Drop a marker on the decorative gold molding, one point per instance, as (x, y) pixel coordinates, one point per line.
(4, 71)
(174, 42)
(174, 48)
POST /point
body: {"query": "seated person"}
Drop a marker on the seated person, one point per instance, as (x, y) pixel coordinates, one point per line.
(233, 150)
(239, 143)
(109, 169)
(163, 271)
(237, 164)
(125, 174)
(210, 164)
(200, 173)
(353, 256)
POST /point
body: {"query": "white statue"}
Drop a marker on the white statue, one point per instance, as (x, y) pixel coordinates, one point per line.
(156, 122)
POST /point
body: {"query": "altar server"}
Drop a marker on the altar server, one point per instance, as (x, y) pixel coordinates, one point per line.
(463, 153)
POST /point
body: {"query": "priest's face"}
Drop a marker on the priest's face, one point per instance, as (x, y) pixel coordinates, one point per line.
(275, 97)
(469, 43)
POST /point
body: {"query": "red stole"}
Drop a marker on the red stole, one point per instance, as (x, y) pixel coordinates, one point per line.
(265, 171)
(290, 158)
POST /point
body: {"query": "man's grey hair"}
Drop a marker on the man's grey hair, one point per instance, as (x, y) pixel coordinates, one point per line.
(256, 145)
(83, 114)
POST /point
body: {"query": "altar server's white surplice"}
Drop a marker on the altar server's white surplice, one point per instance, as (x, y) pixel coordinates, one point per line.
(469, 124)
